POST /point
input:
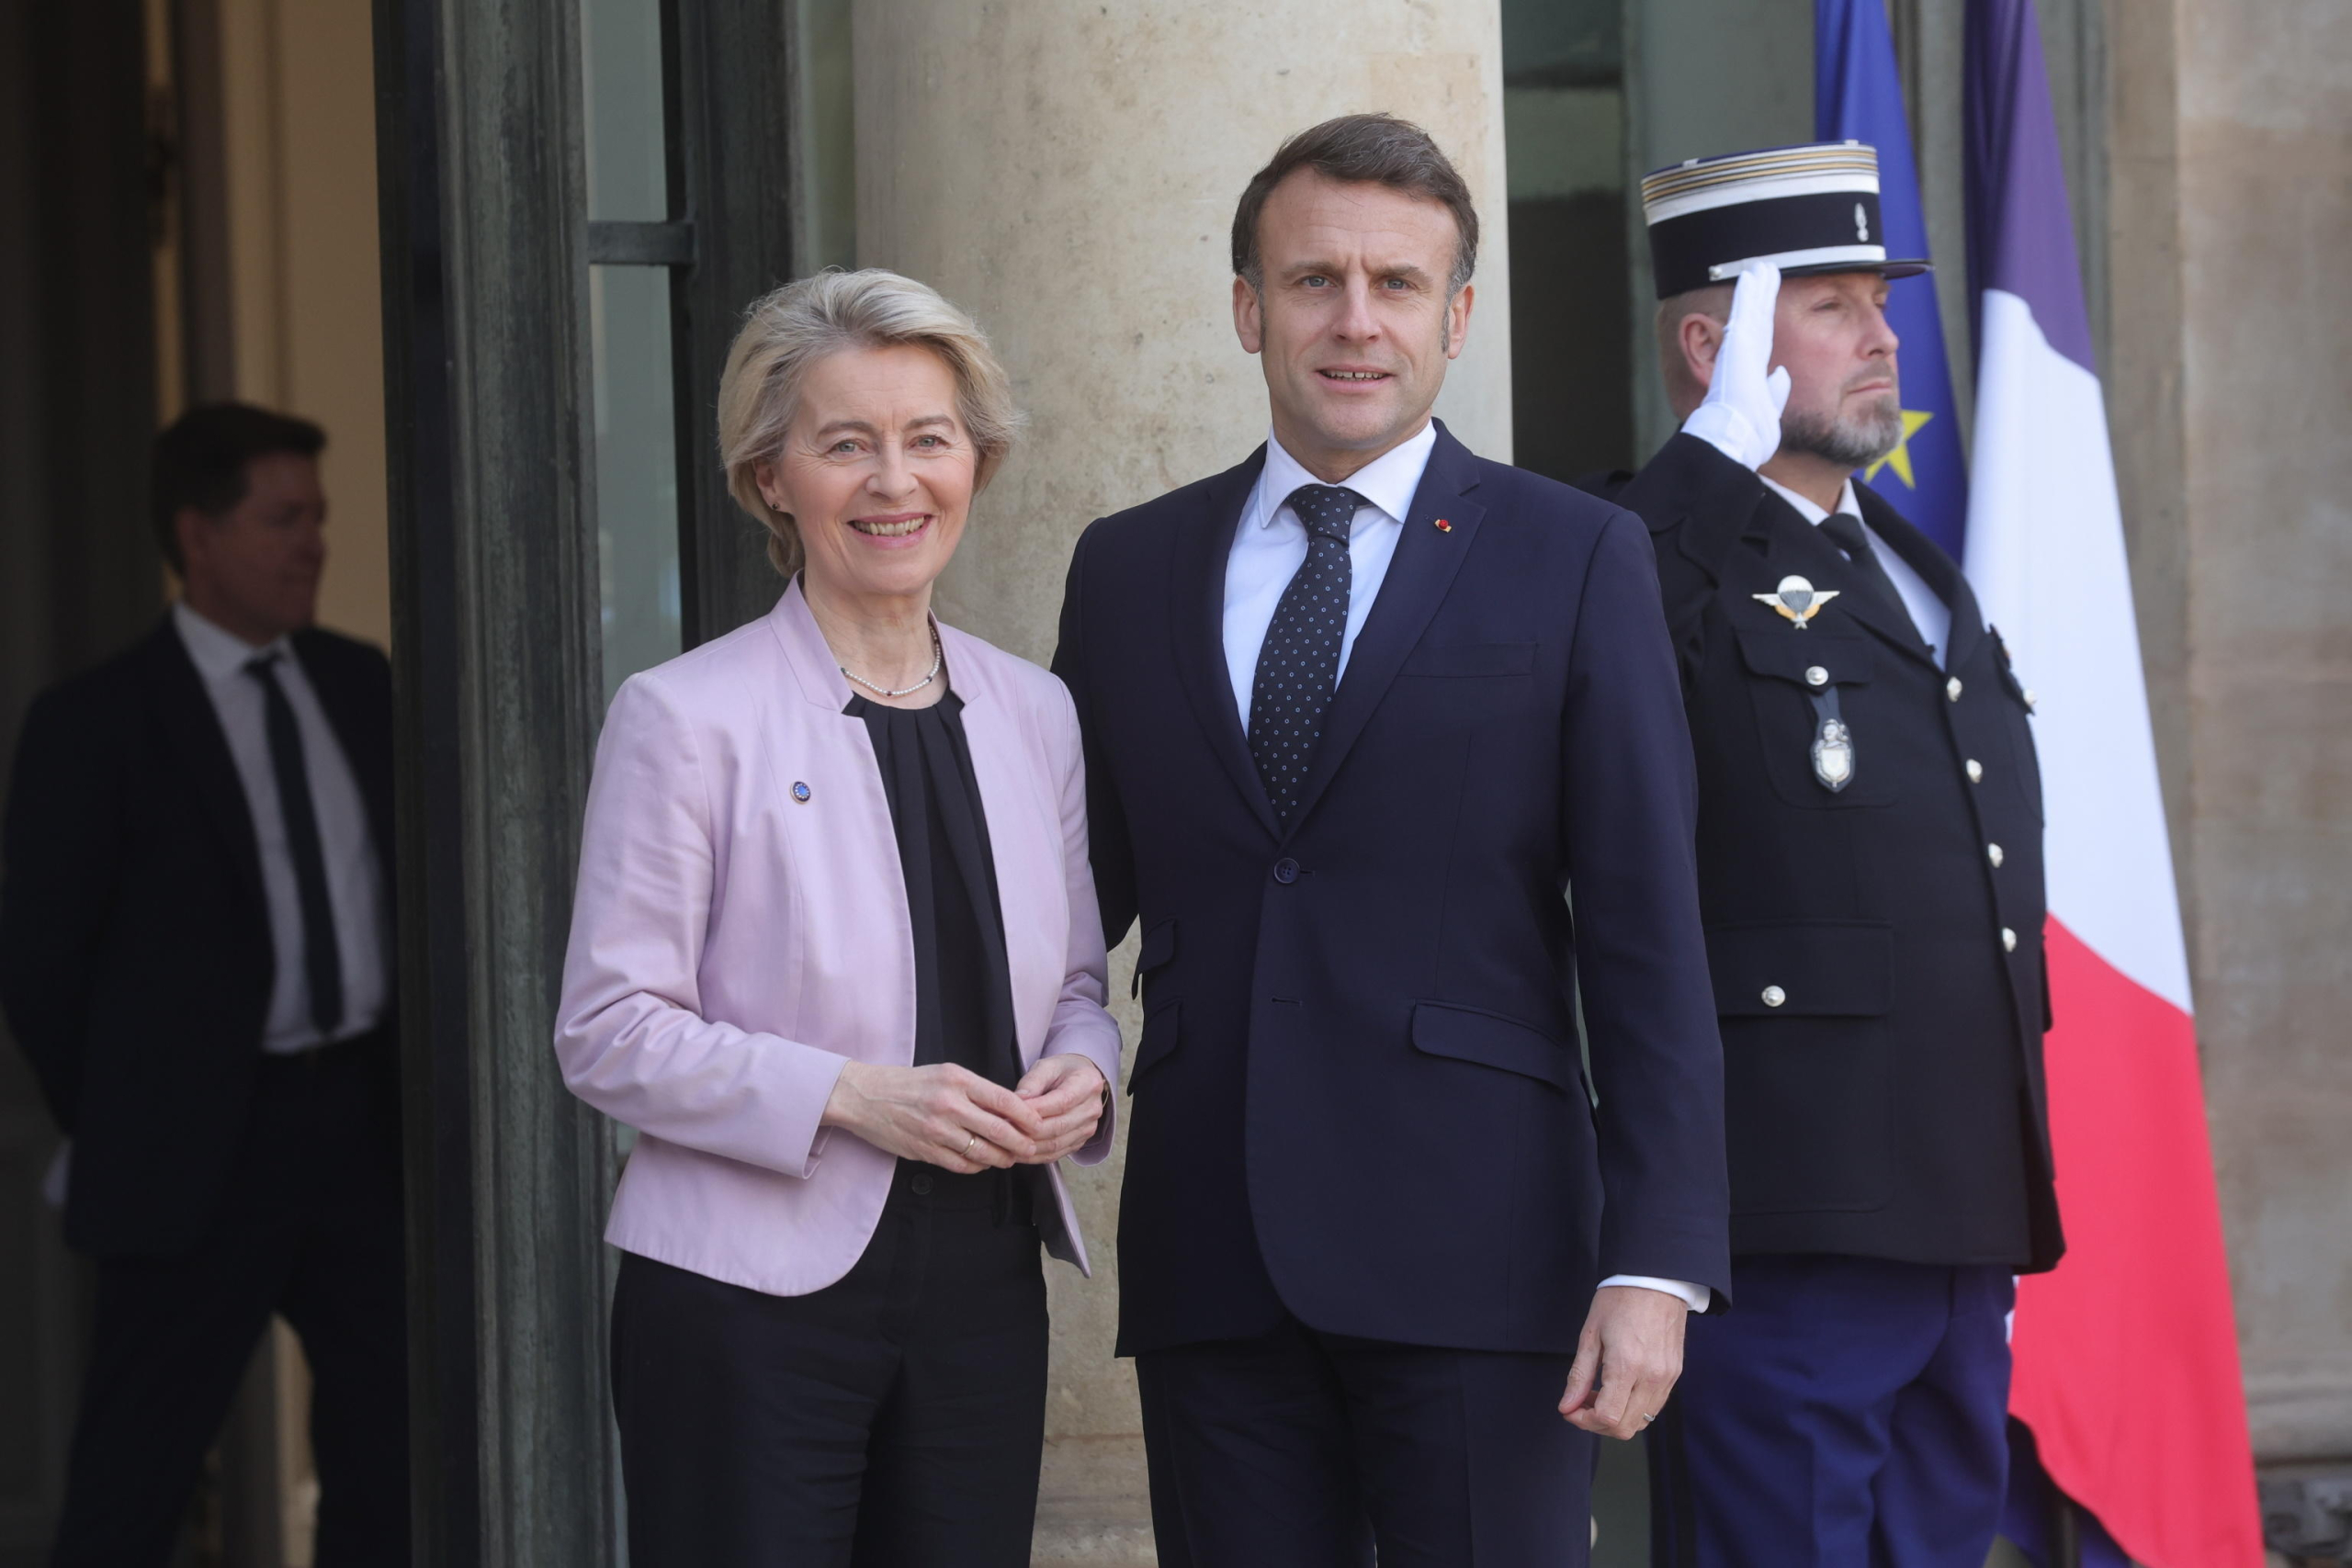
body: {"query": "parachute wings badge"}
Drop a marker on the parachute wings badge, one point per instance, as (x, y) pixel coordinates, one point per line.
(1797, 600)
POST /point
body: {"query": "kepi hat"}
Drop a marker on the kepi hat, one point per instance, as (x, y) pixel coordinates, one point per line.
(1806, 209)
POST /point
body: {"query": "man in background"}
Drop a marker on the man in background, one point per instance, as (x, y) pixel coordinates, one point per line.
(195, 955)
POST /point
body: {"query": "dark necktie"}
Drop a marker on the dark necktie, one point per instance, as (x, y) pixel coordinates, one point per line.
(1844, 530)
(321, 958)
(1299, 665)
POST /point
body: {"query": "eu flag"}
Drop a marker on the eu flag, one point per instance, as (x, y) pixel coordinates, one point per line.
(1858, 97)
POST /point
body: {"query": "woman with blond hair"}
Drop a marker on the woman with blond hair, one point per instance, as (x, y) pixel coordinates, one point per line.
(835, 955)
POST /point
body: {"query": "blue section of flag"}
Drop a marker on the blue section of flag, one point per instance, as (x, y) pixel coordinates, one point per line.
(1858, 98)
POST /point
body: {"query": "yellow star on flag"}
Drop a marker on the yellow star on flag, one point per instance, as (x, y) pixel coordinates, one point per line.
(1901, 457)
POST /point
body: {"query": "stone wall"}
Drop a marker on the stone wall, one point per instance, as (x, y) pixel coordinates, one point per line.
(2255, 696)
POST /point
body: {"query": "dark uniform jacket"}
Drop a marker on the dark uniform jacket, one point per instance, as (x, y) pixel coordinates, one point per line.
(1358, 1095)
(1876, 951)
(135, 954)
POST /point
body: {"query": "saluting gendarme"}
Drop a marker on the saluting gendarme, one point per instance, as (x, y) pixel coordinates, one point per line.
(835, 955)
(1869, 870)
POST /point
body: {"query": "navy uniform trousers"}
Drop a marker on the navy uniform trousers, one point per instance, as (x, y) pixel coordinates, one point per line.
(1848, 1414)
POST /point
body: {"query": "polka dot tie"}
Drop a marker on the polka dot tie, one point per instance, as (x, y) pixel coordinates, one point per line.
(1299, 665)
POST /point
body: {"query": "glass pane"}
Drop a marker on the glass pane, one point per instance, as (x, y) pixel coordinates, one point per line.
(827, 123)
(1564, 114)
(637, 468)
(620, 45)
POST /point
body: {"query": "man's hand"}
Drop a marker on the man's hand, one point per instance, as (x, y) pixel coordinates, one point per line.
(1741, 415)
(1627, 1358)
(1065, 1094)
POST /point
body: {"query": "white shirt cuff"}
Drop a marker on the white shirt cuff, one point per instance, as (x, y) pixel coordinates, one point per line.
(1697, 1298)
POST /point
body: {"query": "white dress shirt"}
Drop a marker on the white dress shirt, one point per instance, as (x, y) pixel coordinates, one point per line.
(355, 878)
(1930, 616)
(1269, 546)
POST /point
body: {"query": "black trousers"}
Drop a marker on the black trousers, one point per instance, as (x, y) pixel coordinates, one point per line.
(893, 1419)
(1305, 1450)
(310, 1226)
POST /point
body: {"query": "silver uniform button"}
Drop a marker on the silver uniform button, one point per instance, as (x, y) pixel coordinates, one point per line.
(1774, 995)
(1975, 770)
(2029, 699)
(1952, 688)
(1993, 853)
(2009, 940)
(1816, 676)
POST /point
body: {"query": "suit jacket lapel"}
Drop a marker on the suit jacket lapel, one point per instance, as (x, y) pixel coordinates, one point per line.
(1197, 605)
(1419, 576)
(194, 731)
(1935, 568)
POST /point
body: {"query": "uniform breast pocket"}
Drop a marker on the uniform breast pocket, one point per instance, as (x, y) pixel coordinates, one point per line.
(1814, 697)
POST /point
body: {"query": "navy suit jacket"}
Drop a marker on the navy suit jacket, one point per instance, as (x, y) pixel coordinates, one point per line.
(1360, 1096)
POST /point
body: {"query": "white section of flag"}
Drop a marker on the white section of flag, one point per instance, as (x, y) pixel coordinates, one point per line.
(2046, 558)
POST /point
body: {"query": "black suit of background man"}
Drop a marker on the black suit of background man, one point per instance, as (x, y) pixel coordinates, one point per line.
(214, 1183)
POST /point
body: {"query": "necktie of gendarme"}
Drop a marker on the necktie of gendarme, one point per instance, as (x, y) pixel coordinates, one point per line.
(322, 959)
(1298, 666)
(1844, 530)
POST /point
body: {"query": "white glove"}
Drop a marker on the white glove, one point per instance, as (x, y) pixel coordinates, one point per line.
(1741, 417)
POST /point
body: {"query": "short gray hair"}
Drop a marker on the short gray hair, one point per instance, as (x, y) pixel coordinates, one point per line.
(787, 332)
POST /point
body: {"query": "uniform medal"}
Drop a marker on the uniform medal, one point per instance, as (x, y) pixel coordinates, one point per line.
(1798, 600)
(1833, 746)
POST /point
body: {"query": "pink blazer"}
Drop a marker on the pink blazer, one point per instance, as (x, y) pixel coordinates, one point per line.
(740, 931)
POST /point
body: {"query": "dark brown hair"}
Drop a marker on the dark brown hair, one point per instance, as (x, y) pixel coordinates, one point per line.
(200, 461)
(1362, 149)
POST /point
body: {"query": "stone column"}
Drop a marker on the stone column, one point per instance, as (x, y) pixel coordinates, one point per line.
(1066, 171)
(2264, 374)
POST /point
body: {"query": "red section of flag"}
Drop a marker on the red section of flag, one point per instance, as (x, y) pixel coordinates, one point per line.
(2127, 1354)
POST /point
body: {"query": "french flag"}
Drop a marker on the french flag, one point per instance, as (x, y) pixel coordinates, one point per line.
(2126, 1363)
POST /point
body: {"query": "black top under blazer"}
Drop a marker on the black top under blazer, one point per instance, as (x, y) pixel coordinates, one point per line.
(1887, 1101)
(1358, 1094)
(135, 955)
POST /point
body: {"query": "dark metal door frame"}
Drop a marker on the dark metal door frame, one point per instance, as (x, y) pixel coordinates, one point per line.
(497, 664)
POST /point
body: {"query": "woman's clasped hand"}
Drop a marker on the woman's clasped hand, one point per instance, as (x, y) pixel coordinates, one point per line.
(949, 1116)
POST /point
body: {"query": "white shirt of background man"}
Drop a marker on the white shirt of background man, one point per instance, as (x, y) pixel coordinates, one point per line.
(1269, 546)
(355, 878)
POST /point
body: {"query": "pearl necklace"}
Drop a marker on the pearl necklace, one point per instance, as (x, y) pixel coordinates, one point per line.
(938, 659)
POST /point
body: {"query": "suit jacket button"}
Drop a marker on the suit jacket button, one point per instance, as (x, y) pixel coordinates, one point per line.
(1774, 995)
(1952, 688)
(1975, 770)
(2009, 940)
(1285, 871)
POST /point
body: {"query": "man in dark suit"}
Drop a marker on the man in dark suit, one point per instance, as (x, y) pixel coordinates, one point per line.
(1870, 862)
(195, 953)
(1358, 712)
